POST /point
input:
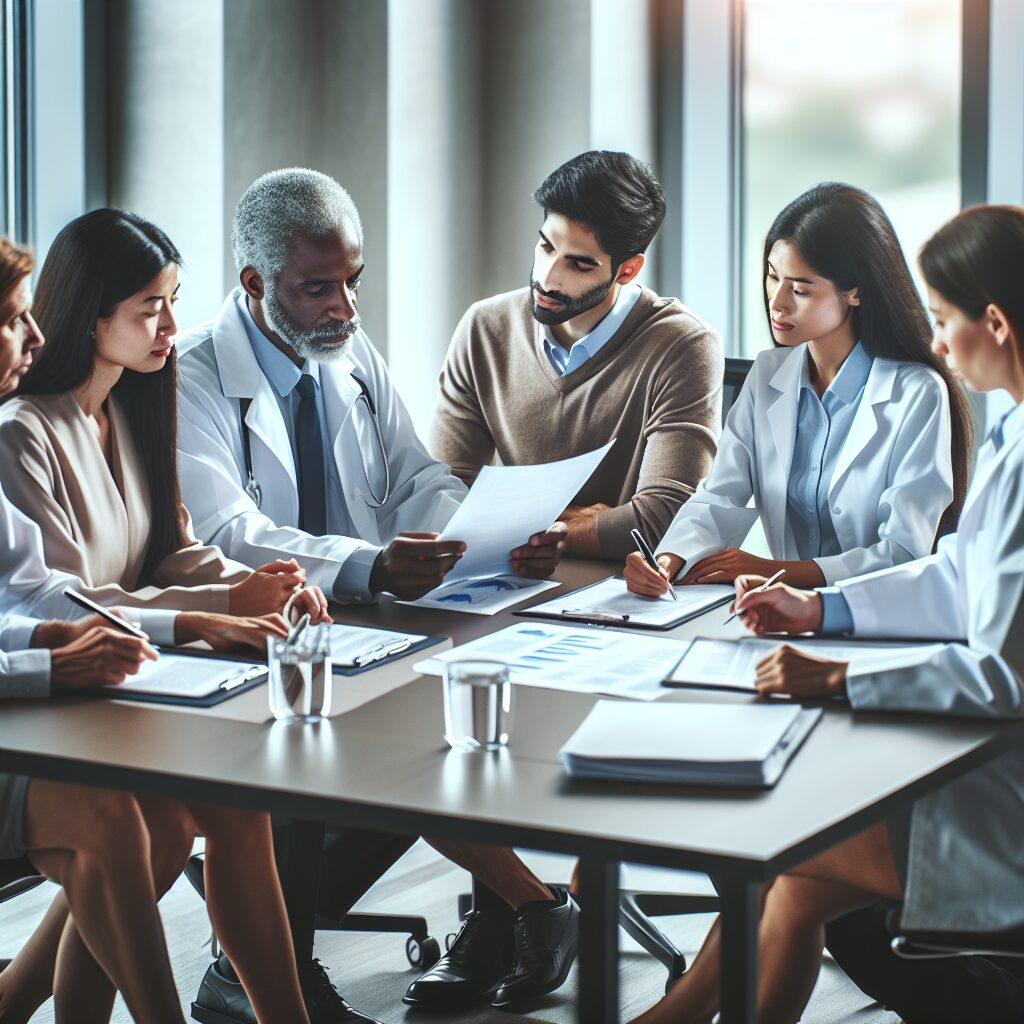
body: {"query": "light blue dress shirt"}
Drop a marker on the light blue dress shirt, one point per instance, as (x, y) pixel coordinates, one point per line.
(565, 361)
(836, 617)
(284, 376)
(822, 427)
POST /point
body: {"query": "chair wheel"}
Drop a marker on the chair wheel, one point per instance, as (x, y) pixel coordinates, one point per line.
(422, 953)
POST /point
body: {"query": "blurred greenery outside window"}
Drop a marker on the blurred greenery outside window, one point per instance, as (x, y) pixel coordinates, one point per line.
(862, 91)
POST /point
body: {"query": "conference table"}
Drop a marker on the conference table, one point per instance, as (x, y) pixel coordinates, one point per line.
(384, 765)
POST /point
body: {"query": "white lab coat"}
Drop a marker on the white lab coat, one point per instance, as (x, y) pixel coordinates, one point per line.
(966, 866)
(216, 368)
(891, 484)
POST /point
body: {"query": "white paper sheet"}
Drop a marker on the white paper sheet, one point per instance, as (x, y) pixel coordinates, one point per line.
(732, 664)
(482, 595)
(349, 642)
(610, 597)
(178, 675)
(579, 659)
(508, 504)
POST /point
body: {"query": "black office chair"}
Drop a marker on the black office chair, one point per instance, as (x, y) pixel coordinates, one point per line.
(16, 876)
(421, 949)
(933, 945)
(637, 910)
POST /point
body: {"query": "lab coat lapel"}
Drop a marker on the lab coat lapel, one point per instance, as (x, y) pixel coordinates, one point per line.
(242, 378)
(781, 415)
(877, 391)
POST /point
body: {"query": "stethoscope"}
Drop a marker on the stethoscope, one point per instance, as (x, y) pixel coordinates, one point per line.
(255, 492)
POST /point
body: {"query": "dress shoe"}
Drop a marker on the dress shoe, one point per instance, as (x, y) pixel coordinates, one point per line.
(323, 1001)
(471, 970)
(546, 942)
(222, 1000)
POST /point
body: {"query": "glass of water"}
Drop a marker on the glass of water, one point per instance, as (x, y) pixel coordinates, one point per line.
(477, 705)
(300, 676)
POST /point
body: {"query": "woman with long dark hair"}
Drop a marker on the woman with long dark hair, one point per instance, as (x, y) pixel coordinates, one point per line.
(88, 449)
(850, 435)
(969, 595)
(89, 456)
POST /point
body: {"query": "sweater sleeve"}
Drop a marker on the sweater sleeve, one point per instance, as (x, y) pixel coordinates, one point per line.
(680, 441)
(459, 434)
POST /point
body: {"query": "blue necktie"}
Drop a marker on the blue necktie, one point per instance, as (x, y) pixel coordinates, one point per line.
(309, 441)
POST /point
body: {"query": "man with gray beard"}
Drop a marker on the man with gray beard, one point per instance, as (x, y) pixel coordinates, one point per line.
(293, 440)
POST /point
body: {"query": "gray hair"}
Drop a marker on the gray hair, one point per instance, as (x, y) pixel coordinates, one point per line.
(276, 206)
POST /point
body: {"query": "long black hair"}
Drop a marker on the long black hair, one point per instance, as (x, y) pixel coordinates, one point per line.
(96, 262)
(844, 235)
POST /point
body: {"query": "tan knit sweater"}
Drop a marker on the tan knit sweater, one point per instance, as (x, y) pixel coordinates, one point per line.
(655, 386)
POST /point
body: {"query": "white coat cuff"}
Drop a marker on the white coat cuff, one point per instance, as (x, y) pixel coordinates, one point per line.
(834, 568)
(27, 675)
(156, 623)
(16, 632)
(862, 692)
(352, 585)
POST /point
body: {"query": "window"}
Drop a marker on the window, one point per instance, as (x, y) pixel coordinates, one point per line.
(863, 91)
(15, 119)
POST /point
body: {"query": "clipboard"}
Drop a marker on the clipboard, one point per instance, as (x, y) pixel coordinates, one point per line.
(577, 608)
(246, 679)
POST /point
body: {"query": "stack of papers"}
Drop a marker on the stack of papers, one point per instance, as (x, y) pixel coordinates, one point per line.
(579, 659)
(187, 677)
(732, 664)
(697, 744)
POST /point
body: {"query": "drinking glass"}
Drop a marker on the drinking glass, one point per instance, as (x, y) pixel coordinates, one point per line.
(477, 704)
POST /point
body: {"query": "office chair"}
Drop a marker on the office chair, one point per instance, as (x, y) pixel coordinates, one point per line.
(937, 945)
(421, 949)
(16, 876)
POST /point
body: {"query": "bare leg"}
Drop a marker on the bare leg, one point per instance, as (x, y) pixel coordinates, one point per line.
(243, 897)
(797, 907)
(498, 868)
(95, 844)
(83, 994)
(28, 982)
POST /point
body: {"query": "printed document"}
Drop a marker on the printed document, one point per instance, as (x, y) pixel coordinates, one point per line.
(563, 658)
(482, 595)
(508, 504)
(179, 675)
(732, 664)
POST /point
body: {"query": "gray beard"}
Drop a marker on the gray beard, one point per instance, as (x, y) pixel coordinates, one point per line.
(319, 345)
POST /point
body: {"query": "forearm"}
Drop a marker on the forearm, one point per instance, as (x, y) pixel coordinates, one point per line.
(582, 537)
(804, 575)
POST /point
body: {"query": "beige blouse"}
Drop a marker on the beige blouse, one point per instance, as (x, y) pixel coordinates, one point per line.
(95, 523)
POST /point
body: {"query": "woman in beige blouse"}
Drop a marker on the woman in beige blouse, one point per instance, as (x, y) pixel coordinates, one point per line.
(89, 454)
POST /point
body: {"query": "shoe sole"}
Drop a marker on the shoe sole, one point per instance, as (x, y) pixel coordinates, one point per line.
(556, 983)
(207, 1016)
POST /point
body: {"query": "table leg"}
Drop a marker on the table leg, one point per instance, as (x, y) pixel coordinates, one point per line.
(741, 902)
(599, 941)
(300, 882)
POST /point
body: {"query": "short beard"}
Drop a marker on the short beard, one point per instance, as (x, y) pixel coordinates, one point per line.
(319, 345)
(572, 307)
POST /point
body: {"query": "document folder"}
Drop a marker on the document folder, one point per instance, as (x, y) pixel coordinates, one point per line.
(688, 744)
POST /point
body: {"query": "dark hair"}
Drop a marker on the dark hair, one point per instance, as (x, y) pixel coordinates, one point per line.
(843, 234)
(96, 262)
(15, 263)
(975, 261)
(614, 194)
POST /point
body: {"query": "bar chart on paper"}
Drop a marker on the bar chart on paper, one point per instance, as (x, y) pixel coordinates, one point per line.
(578, 659)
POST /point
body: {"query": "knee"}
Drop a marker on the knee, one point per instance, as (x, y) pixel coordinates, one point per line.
(112, 827)
(798, 898)
(230, 827)
(171, 835)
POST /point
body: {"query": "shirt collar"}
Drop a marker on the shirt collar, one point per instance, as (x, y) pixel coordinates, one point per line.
(1008, 427)
(591, 343)
(282, 373)
(849, 381)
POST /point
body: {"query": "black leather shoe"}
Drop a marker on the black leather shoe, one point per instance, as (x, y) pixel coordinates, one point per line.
(470, 971)
(222, 1000)
(323, 1001)
(547, 939)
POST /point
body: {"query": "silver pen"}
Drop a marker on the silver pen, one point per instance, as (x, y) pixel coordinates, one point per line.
(380, 652)
(764, 586)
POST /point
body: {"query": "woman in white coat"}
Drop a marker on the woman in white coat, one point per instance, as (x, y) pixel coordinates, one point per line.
(850, 436)
(970, 593)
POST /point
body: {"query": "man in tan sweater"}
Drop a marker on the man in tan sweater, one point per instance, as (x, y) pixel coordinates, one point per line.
(584, 355)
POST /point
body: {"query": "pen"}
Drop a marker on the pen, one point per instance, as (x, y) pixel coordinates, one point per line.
(585, 615)
(764, 586)
(84, 602)
(381, 651)
(298, 628)
(642, 547)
